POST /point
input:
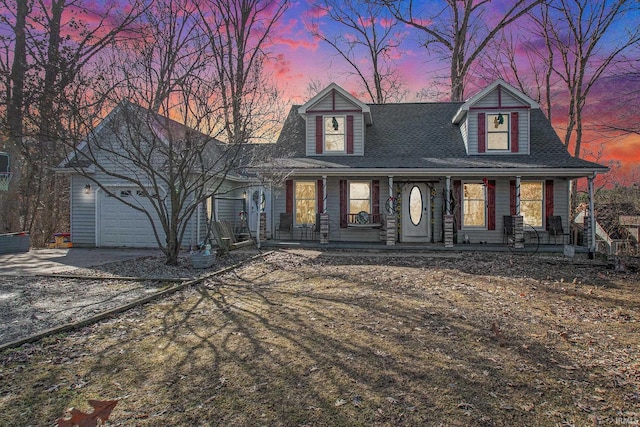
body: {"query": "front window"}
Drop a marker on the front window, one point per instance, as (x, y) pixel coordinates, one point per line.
(305, 194)
(474, 205)
(532, 202)
(498, 131)
(334, 133)
(359, 197)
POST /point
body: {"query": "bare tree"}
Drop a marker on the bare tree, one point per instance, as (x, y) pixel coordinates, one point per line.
(370, 41)
(238, 32)
(201, 65)
(623, 89)
(457, 30)
(580, 53)
(53, 41)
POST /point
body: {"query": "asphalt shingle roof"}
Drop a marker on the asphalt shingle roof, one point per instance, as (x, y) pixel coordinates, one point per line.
(421, 135)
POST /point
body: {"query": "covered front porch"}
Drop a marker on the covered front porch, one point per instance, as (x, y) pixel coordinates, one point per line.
(466, 212)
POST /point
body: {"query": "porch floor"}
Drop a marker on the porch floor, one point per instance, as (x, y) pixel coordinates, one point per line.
(415, 247)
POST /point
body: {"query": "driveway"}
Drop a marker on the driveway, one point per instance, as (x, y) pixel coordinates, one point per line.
(47, 261)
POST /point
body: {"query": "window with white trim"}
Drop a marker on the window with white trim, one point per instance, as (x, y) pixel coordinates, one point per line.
(474, 205)
(305, 202)
(532, 202)
(498, 132)
(334, 134)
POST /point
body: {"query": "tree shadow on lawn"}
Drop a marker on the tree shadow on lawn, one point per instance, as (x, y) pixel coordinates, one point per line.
(299, 347)
(295, 343)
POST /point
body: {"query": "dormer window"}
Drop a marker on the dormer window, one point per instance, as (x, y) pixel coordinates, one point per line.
(498, 132)
(334, 134)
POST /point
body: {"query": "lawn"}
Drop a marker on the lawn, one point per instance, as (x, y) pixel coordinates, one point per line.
(336, 339)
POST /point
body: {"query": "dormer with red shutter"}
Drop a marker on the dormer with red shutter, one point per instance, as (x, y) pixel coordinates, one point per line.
(335, 123)
(496, 121)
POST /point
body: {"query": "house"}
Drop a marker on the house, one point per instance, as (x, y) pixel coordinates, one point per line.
(118, 176)
(446, 172)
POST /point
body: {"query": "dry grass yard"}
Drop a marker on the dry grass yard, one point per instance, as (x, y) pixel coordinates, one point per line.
(336, 339)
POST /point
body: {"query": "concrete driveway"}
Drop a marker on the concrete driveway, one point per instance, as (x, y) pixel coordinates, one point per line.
(47, 261)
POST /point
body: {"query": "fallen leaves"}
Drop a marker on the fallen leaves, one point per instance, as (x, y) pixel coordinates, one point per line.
(101, 412)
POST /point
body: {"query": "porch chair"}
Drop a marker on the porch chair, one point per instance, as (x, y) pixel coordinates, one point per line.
(555, 229)
(285, 224)
(508, 228)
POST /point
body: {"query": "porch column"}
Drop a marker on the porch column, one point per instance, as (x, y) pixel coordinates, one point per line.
(448, 217)
(447, 199)
(259, 227)
(324, 194)
(518, 221)
(390, 219)
(592, 220)
(324, 216)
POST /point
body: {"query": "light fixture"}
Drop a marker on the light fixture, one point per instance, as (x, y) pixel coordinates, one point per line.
(244, 195)
(334, 123)
(87, 188)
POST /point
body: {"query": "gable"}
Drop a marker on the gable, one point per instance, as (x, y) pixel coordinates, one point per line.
(335, 123)
(496, 120)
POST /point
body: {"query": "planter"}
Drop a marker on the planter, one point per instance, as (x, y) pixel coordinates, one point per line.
(14, 243)
(199, 260)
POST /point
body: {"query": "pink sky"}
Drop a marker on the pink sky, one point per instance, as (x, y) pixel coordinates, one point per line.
(299, 58)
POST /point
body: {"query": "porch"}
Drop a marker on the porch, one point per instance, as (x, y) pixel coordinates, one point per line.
(543, 248)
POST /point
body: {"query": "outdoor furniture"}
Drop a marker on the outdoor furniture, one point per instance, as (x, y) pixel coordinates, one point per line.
(508, 228)
(285, 224)
(555, 229)
(226, 238)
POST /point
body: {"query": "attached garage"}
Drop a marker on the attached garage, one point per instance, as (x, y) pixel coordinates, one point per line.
(119, 225)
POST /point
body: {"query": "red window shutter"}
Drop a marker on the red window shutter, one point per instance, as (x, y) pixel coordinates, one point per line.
(349, 134)
(514, 132)
(375, 196)
(512, 197)
(319, 134)
(343, 203)
(289, 196)
(482, 142)
(548, 198)
(457, 197)
(491, 205)
(320, 196)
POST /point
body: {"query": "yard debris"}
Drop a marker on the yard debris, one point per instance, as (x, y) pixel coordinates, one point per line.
(101, 412)
(415, 342)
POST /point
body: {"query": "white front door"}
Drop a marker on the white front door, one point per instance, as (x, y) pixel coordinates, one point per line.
(416, 213)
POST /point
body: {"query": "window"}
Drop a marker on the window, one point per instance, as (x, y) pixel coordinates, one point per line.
(531, 202)
(334, 133)
(474, 205)
(305, 194)
(359, 197)
(498, 131)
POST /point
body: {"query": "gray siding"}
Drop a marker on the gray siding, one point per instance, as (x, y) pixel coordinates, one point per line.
(523, 132)
(343, 106)
(507, 100)
(83, 213)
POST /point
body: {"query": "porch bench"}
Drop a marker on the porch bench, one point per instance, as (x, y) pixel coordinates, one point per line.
(364, 220)
(226, 238)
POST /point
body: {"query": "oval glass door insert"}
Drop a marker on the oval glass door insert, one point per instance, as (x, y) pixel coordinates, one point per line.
(415, 205)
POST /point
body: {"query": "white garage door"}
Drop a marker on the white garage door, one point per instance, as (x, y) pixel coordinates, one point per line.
(122, 226)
